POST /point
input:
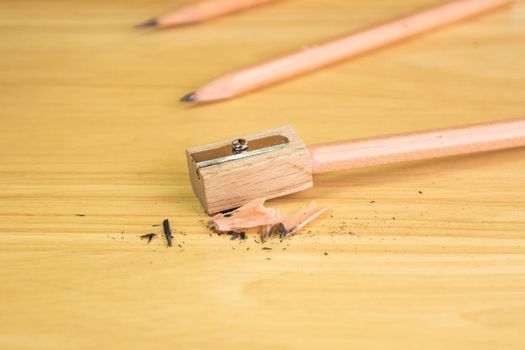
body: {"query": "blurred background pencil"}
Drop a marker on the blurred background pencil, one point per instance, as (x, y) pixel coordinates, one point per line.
(303, 61)
(200, 12)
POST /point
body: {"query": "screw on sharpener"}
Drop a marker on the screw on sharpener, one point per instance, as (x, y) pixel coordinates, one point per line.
(238, 149)
(239, 146)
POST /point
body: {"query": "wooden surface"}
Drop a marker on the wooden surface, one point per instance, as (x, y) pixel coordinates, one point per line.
(425, 255)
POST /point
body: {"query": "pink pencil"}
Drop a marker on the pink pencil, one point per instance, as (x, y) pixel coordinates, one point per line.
(303, 61)
(201, 11)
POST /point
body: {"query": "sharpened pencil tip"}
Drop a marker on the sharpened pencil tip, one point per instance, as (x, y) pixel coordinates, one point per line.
(192, 96)
(148, 24)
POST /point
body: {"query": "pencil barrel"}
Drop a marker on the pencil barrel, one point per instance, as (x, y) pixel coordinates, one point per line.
(206, 10)
(314, 57)
(335, 156)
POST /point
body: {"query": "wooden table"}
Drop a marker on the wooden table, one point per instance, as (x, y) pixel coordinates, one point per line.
(427, 255)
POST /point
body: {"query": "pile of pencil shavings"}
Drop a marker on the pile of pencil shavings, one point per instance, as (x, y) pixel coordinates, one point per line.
(269, 221)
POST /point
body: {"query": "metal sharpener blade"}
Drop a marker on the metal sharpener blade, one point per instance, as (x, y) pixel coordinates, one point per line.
(232, 152)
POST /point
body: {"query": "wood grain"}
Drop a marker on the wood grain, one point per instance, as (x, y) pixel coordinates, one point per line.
(90, 125)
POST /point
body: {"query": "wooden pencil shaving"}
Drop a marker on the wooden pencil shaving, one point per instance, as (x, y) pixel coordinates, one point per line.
(252, 214)
(303, 217)
(270, 221)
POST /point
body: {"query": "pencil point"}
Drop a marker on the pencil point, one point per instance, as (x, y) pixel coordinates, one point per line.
(149, 23)
(192, 96)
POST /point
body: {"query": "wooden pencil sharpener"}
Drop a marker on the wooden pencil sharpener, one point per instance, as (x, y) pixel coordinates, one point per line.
(267, 164)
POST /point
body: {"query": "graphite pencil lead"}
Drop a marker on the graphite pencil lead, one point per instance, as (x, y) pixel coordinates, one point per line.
(167, 232)
(148, 24)
(191, 97)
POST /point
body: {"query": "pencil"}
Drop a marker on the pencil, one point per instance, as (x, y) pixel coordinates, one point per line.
(201, 11)
(247, 79)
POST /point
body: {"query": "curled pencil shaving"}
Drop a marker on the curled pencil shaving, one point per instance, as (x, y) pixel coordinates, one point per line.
(254, 214)
(303, 217)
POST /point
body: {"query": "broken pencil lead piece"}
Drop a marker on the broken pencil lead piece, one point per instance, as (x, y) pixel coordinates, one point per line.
(167, 231)
(271, 231)
(234, 235)
(282, 231)
(149, 236)
(277, 229)
(191, 97)
(147, 24)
